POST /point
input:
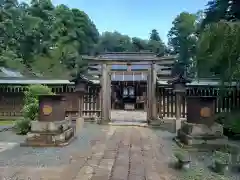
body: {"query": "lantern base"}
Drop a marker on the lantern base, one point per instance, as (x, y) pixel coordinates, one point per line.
(52, 126)
(190, 133)
(56, 133)
(49, 139)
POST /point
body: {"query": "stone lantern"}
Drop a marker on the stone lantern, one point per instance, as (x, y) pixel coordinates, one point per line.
(179, 87)
(51, 128)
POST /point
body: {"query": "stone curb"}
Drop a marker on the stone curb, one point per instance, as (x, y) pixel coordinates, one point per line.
(6, 129)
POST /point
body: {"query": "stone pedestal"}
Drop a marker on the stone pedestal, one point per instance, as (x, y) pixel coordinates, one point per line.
(56, 133)
(192, 134)
(200, 125)
(52, 128)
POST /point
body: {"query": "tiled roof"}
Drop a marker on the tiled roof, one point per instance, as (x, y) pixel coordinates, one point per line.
(5, 72)
(128, 56)
(24, 81)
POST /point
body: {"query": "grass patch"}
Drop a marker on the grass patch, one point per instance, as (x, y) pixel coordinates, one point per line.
(6, 122)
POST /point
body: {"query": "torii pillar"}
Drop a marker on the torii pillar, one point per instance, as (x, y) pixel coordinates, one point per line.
(105, 94)
(151, 93)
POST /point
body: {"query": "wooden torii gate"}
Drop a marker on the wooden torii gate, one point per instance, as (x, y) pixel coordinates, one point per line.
(108, 59)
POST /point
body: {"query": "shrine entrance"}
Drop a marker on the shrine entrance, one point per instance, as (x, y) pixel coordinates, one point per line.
(128, 95)
(128, 83)
(128, 101)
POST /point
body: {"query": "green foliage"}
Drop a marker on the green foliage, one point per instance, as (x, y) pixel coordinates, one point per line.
(49, 40)
(116, 42)
(183, 38)
(222, 10)
(234, 124)
(31, 104)
(180, 155)
(221, 157)
(201, 174)
(219, 47)
(42, 38)
(22, 126)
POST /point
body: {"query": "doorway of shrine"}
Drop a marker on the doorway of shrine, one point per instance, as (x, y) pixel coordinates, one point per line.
(129, 101)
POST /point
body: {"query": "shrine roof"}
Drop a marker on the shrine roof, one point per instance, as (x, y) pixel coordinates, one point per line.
(128, 56)
(6, 72)
(28, 81)
(198, 82)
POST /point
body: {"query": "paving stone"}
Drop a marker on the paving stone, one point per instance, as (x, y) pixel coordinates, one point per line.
(137, 169)
(136, 177)
(152, 176)
(120, 172)
(84, 177)
(109, 154)
(99, 153)
(101, 173)
(93, 162)
(107, 163)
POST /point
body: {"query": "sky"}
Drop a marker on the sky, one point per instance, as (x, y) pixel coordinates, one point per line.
(135, 18)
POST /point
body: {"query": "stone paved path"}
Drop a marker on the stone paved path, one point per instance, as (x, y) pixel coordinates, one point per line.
(128, 116)
(122, 153)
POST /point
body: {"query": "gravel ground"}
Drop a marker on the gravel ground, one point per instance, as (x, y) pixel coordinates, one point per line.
(200, 160)
(3, 127)
(42, 157)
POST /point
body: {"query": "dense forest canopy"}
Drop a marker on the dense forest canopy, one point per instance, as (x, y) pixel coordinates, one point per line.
(46, 40)
(219, 42)
(49, 40)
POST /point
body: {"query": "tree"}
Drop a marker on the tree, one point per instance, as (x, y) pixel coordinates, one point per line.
(154, 36)
(155, 43)
(219, 48)
(43, 38)
(114, 42)
(222, 10)
(182, 39)
(139, 44)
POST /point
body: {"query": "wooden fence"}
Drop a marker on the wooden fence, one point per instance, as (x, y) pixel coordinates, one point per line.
(11, 103)
(92, 102)
(166, 106)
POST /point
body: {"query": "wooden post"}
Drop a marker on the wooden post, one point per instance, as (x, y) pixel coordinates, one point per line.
(79, 105)
(149, 95)
(105, 93)
(153, 91)
(109, 94)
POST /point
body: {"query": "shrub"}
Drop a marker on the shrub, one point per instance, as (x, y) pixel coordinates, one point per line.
(201, 174)
(230, 121)
(221, 157)
(235, 125)
(22, 126)
(30, 108)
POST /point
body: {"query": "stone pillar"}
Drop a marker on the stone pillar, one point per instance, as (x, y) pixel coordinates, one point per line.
(105, 93)
(153, 91)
